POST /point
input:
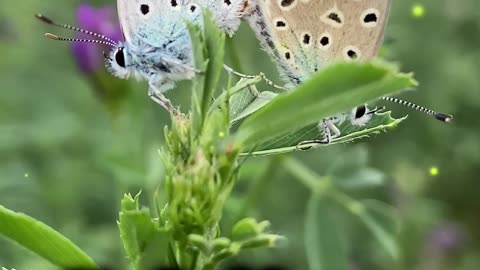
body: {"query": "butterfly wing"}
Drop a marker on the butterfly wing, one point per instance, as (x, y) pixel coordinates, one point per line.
(156, 22)
(305, 35)
(226, 13)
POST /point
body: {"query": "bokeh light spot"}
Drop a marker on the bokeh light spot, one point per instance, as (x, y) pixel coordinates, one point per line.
(418, 10)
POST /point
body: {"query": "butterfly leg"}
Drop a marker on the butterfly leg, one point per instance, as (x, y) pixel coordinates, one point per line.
(329, 131)
(264, 78)
(155, 93)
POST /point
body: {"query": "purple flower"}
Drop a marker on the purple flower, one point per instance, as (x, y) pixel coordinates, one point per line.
(445, 239)
(99, 20)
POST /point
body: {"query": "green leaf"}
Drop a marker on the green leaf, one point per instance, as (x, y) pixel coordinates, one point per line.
(214, 42)
(351, 171)
(208, 49)
(381, 221)
(338, 88)
(323, 243)
(241, 87)
(198, 82)
(245, 103)
(43, 240)
(290, 142)
(248, 228)
(138, 231)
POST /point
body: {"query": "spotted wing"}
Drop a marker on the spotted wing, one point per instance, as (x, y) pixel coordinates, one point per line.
(226, 13)
(156, 22)
(305, 35)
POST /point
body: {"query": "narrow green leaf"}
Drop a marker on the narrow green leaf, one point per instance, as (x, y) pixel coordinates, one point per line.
(381, 221)
(241, 100)
(198, 82)
(323, 243)
(215, 45)
(43, 240)
(246, 103)
(242, 86)
(338, 88)
(291, 141)
(208, 50)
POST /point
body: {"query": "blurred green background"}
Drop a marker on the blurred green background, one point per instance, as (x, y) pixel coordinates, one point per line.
(67, 156)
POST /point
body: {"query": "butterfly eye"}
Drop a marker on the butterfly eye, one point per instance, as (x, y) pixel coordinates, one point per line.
(361, 115)
(120, 57)
(360, 111)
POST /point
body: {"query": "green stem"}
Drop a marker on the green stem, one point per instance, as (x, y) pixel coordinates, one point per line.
(195, 260)
(315, 183)
(321, 185)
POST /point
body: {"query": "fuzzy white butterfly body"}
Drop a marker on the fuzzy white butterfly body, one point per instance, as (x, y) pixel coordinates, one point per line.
(157, 43)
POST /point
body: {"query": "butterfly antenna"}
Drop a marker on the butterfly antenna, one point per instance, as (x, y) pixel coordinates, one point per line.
(70, 27)
(439, 116)
(55, 37)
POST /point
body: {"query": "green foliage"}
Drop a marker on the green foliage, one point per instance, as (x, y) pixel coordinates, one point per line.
(381, 221)
(353, 173)
(323, 240)
(139, 232)
(378, 218)
(67, 157)
(336, 89)
(43, 240)
(208, 59)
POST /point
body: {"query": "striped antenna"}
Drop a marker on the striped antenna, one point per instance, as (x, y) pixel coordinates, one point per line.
(47, 20)
(439, 116)
(55, 37)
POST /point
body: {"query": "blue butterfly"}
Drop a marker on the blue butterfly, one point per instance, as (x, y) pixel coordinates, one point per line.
(157, 45)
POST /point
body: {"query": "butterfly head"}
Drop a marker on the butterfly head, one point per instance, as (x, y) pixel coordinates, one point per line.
(118, 61)
(361, 115)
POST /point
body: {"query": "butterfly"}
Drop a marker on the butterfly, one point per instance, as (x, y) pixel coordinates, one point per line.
(304, 36)
(157, 45)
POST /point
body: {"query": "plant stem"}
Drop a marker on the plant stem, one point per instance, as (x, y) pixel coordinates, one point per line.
(320, 185)
(315, 183)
